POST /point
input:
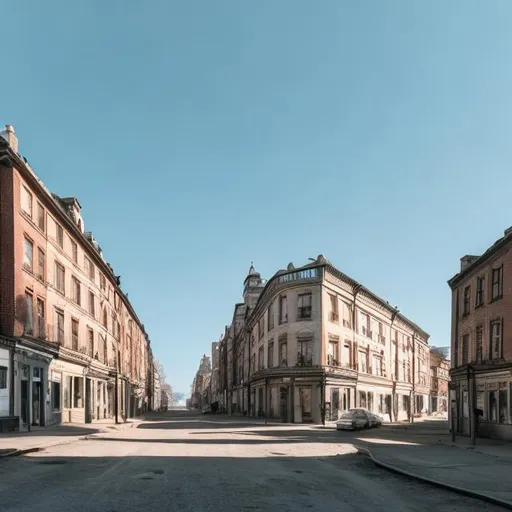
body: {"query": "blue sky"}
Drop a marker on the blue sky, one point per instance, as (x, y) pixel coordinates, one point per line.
(202, 135)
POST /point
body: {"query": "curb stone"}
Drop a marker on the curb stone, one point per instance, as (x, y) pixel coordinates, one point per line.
(431, 481)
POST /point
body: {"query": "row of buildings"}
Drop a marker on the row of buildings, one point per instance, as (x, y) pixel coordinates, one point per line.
(72, 348)
(310, 343)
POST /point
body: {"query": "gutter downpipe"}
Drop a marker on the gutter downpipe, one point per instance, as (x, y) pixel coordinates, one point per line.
(357, 289)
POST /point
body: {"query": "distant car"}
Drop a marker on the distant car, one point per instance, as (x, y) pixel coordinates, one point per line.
(356, 419)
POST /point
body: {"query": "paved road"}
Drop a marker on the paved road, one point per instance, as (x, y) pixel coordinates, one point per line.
(182, 462)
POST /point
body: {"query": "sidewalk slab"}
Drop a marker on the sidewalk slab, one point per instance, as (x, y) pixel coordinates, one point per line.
(17, 443)
(478, 475)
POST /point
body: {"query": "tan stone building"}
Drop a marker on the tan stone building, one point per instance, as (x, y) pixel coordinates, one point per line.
(313, 339)
(481, 341)
(79, 351)
(439, 381)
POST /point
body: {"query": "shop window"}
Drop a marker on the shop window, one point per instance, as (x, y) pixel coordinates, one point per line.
(68, 386)
(78, 392)
(55, 390)
(362, 399)
(3, 377)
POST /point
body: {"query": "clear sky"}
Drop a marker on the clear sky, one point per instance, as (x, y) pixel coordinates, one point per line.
(201, 135)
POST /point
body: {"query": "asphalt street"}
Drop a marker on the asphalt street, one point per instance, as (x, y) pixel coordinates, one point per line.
(186, 462)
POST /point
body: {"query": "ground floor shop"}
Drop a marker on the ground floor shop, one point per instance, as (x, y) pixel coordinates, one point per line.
(485, 401)
(80, 394)
(30, 386)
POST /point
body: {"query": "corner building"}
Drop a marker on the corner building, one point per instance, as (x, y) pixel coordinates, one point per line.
(312, 339)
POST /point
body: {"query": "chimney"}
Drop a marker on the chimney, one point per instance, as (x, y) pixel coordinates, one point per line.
(9, 135)
(466, 261)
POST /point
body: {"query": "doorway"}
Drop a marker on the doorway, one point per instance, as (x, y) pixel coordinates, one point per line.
(335, 404)
(283, 396)
(88, 400)
(24, 402)
(305, 405)
(345, 406)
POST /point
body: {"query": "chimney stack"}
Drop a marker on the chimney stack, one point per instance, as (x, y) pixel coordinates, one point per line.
(9, 135)
(466, 261)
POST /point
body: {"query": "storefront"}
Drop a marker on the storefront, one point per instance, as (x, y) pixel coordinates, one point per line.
(5, 381)
(31, 389)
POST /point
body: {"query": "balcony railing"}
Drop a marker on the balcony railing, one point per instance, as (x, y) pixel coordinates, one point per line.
(332, 361)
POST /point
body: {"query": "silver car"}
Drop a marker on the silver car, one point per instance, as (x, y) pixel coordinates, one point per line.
(355, 419)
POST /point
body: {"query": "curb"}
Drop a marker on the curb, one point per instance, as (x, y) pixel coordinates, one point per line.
(460, 490)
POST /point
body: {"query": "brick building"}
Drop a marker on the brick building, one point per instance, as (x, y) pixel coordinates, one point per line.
(481, 341)
(73, 348)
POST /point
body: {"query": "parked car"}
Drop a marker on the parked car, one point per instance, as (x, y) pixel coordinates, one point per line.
(355, 419)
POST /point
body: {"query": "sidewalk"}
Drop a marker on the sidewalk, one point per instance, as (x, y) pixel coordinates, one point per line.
(16, 443)
(481, 471)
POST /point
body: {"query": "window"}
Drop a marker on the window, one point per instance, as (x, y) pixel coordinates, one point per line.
(283, 310)
(59, 326)
(55, 391)
(60, 236)
(41, 326)
(28, 255)
(40, 264)
(305, 355)
(105, 350)
(91, 303)
(478, 339)
(361, 359)
(480, 291)
(377, 365)
(118, 330)
(497, 283)
(261, 327)
(495, 345)
(105, 319)
(89, 268)
(261, 360)
(347, 315)
(467, 298)
(26, 201)
(332, 354)
(270, 317)
(90, 342)
(304, 306)
(76, 290)
(29, 318)
(270, 355)
(103, 282)
(59, 277)
(74, 334)
(74, 251)
(333, 312)
(68, 388)
(283, 352)
(3, 377)
(347, 355)
(465, 349)
(41, 217)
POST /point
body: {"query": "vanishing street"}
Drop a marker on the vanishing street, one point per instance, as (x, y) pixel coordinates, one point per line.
(185, 461)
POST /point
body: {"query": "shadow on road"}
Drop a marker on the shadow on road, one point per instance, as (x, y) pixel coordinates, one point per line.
(200, 483)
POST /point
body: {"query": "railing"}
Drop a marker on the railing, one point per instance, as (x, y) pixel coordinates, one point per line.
(332, 361)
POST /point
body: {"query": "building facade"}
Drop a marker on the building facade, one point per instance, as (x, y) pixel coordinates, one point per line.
(79, 352)
(481, 342)
(439, 381)
(311, 343)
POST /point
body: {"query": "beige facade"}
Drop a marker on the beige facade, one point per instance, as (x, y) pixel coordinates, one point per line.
(311, 340)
